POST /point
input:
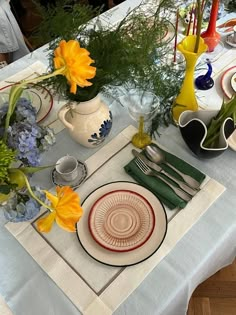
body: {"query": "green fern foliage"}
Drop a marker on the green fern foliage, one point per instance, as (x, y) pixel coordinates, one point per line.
(131, 53)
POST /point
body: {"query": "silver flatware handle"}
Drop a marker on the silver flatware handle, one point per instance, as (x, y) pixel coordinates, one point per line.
(191, 182)
(159, 169)
(179, 192)
(181, 184)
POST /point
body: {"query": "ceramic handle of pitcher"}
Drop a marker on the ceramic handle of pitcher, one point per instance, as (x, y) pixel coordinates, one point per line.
(62, 116)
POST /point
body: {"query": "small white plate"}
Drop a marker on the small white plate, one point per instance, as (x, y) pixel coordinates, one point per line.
(233, 82)
(82, 174)
(39, 96)
(169, 33)
(225, 82)
(127, 258)
(4, 96)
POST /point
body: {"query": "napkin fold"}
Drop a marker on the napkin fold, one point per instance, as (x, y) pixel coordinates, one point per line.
(157, 186)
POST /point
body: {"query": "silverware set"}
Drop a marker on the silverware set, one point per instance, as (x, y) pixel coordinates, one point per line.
(181, 188)
(157, 156)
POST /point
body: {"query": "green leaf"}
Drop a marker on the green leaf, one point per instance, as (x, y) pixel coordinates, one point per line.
(227, 110)
(15, 93)
(14, 96)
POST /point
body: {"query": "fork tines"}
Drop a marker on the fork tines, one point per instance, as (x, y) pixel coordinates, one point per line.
(143, 167)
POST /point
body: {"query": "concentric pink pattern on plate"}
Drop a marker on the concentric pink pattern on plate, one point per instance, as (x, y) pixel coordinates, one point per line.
(121, 220)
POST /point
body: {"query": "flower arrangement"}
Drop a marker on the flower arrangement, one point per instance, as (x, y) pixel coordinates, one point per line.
(22, 140)
(130, 54)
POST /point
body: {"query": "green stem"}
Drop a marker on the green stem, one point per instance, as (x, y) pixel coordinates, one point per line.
(46, 76)
(31, 192)
(199, 25)
(11, 107)
(210, 141)
(141, 127)
(227, 110)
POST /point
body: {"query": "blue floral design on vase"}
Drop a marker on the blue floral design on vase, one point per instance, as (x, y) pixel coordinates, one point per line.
(104, 130)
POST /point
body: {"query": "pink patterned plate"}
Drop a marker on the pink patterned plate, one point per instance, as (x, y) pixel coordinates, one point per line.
(121, 220)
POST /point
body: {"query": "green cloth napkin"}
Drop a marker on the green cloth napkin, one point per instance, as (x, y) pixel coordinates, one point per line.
(158, 187)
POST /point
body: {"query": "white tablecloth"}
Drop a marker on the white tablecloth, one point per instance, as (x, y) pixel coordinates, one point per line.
(206, 248)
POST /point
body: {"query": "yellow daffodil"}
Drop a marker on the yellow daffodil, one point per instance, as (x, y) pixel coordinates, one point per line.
(76, 64)
(66, 210)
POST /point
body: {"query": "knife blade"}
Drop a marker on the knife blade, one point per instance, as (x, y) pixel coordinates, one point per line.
(158, 169)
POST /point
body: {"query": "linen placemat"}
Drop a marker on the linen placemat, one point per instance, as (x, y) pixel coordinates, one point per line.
(93, 287)
(4, 308)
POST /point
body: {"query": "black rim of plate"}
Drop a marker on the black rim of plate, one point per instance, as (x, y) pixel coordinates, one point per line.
(138, 262)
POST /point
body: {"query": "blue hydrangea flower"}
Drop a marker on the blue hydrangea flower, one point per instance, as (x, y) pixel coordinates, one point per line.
(25, 111)
(25, 136)
(20, 207)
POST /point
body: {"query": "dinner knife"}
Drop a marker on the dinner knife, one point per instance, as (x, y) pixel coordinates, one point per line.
(158, 169)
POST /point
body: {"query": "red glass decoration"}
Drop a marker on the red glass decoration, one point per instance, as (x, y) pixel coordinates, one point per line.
(211, 34)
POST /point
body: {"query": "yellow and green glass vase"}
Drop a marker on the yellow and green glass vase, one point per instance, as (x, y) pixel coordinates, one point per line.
(186, 100)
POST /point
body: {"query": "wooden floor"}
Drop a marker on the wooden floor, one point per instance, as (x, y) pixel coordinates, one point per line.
(217, 295)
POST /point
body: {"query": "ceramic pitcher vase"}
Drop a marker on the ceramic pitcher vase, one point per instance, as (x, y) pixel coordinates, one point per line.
(89, 123)
(186, 100)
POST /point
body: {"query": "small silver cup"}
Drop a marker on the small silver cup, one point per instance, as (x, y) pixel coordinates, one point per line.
(67, 168)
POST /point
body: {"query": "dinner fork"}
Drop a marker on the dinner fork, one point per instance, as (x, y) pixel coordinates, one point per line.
(147, 171)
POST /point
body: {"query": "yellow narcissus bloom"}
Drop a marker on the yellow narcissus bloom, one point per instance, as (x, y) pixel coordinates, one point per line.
(76, 64)
(67, 210)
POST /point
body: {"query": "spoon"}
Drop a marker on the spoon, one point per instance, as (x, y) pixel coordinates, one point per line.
(157, 156)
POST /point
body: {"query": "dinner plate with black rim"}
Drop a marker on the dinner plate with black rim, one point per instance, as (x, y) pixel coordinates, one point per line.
(121, 220)
(126, 258)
